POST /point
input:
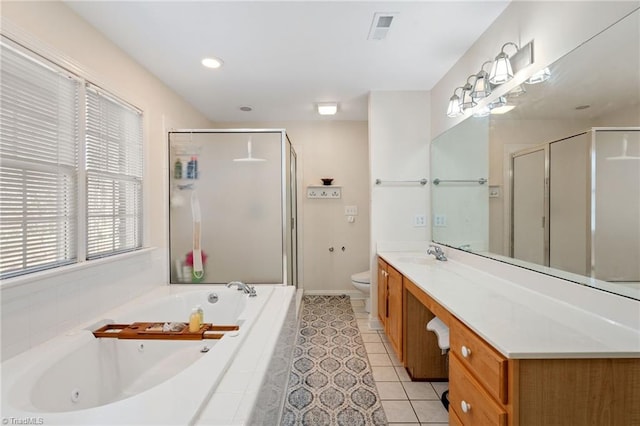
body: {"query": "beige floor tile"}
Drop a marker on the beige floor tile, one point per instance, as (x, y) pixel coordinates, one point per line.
(361, 315)
(430, 411)
(404, 424)
(440, 387)
(402, 374)
(391, 391)
(394, 359)
(434, 424)
(382, 360)
(384, 374)
(374, 348)
(420, 390)
(399, 411)
(370, 338)
(357, 302)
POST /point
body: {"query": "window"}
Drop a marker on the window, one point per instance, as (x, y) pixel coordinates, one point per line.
(114, 175)
(70, 164)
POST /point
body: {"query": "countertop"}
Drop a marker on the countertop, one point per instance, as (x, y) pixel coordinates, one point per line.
(519, 322)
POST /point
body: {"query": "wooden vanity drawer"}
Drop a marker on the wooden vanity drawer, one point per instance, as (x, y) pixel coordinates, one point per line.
(469, 401)
(485, 363)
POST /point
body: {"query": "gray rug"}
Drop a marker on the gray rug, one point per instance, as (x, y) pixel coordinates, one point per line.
(331, 381)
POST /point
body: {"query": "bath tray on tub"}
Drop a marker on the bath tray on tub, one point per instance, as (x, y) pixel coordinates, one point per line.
(153, 330)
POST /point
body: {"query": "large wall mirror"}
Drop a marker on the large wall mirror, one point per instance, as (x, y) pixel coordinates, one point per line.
(553, 185)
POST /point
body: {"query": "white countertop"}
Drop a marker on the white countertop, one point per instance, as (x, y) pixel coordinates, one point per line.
(521, 322)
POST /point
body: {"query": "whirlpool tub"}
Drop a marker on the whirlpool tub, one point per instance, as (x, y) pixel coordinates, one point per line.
(80, 379)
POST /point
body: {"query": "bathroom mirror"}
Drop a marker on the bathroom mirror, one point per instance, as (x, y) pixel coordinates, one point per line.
(578, 129)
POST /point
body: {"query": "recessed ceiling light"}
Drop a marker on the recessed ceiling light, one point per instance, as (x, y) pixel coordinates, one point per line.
(327, 108)
(212, 62)
(246, 108)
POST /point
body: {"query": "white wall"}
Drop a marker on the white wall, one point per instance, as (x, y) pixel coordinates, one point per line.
(36, 309)
(336, 149)
(399, 129)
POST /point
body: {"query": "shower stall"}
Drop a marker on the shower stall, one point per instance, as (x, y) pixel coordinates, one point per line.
(232, 214)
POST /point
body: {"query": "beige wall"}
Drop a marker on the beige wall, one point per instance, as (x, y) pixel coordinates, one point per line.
(50, 303)
(336, 149)
(399, 129)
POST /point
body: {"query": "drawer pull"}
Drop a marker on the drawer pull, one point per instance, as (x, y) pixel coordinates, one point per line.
(466, 352)
(466, 407)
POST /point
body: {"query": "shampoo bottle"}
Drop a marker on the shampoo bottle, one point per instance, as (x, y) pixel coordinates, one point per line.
(194, 321)
(200, 314)
(177, 170)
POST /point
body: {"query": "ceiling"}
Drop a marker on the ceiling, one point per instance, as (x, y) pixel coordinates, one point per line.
(282, 58)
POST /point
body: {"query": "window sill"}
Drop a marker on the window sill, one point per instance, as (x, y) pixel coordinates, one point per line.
(68, 269)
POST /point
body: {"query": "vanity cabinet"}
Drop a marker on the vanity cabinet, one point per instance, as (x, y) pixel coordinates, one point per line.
(486, 387)
(477, 377)
(390, 300)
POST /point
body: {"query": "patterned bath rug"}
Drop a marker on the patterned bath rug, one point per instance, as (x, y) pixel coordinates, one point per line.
(331, 381)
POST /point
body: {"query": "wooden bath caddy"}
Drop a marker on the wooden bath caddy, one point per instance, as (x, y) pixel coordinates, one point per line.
(153, 330)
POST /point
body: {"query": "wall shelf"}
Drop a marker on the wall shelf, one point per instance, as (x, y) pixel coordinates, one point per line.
(324, 191)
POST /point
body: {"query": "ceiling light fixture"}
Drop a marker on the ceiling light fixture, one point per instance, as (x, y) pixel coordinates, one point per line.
(454, 109)
(327, 108)
(501, 70)
(482, 87)
(212, 62)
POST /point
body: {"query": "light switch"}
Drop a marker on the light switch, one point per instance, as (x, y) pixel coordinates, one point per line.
(350, 210)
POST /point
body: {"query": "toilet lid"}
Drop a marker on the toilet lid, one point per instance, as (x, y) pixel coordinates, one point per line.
(362, 277)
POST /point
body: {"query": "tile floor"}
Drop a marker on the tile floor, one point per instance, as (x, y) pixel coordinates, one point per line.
(404, 402)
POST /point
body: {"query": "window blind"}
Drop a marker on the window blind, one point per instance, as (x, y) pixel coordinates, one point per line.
(39, 138)
(114, 166)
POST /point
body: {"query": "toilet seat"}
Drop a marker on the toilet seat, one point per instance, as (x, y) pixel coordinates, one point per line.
(362, 277)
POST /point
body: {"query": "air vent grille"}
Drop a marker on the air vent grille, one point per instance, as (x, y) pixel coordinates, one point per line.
(380, 25)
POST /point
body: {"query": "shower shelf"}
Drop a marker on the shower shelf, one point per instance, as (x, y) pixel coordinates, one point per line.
(324, 191)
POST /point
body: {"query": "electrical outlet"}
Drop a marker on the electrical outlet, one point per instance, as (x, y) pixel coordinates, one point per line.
(419, 221)
(350, 210)
(440, 220)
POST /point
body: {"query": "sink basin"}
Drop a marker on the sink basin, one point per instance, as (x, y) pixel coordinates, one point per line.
(420, 260)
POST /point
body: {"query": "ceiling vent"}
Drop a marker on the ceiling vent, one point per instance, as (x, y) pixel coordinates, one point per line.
(380, 26)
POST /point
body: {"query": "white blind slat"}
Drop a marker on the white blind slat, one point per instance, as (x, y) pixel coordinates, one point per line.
(40, 125)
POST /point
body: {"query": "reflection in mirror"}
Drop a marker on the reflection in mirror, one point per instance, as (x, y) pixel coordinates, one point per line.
(563, 195)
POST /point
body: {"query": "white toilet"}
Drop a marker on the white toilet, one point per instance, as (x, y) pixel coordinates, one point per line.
(362, 281)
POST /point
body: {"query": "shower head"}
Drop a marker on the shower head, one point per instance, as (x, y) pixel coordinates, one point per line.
(624, 155)
(249, 157)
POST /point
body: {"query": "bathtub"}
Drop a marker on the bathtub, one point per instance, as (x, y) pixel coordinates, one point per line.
(77, 378)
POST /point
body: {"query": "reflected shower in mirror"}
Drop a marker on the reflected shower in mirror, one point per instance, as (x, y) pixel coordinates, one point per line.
(563, 169)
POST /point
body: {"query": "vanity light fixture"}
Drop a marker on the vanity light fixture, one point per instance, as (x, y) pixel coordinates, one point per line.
(517, 91)
(540, 76)
(482, 112)
(482, 87)
(327, 108)
(467, 100)
(212, 62)
(501, 70)
(454, 109)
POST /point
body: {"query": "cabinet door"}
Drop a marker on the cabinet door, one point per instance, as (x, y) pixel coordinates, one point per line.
(394, 315)
(382, 291)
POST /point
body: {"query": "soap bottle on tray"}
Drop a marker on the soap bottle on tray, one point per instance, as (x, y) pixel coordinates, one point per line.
(194, 321)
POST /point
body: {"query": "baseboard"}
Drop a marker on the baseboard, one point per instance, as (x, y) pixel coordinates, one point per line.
(355, 294)
(375, 324)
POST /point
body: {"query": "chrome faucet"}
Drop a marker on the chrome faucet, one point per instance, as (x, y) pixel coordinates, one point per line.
(437, 252)
(248, 289)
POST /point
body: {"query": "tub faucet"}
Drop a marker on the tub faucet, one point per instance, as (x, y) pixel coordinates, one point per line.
(437, 252)
(248, 289)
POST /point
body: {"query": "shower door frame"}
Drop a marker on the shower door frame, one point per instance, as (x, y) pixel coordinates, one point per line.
(286, 149)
